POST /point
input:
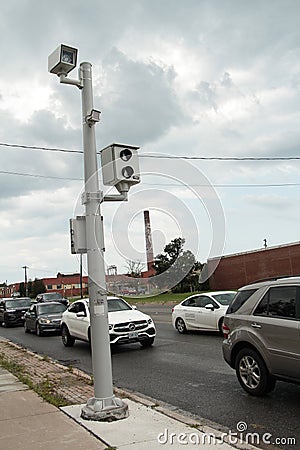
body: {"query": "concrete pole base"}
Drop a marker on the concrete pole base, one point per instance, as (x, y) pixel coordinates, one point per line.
(105, 410)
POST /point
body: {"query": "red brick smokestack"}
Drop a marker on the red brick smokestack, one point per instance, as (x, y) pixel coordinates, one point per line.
(148, 237)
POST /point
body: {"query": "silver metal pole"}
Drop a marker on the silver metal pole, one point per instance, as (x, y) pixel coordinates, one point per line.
(104, 405)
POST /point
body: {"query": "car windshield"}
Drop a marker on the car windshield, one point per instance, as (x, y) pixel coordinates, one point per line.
(51, 309)
(224, 299)
(53, 296)
(21, 303)
(117, 304)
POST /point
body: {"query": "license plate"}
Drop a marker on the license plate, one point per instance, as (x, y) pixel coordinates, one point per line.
(133, 334)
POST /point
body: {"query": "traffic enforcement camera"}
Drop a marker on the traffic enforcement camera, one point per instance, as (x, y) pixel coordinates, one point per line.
(120, 166)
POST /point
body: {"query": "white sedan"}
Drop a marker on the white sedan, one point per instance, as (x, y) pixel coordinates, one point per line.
(202, 311)
(126, 324)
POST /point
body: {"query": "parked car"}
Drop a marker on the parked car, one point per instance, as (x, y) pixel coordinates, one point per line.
(202, 311)
(44, 317)
(51, 297)
(126, 324)
(262, 334)
(12, 310)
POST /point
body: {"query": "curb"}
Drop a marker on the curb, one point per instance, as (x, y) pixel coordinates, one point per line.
(202, 424)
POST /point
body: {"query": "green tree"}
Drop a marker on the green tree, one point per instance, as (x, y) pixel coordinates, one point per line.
(29, 288)
(22, 289)
(38, 287)
(178, 264)
(171, 252)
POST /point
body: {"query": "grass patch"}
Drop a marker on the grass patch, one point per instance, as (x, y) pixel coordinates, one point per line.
(45, 389)
(161, 298)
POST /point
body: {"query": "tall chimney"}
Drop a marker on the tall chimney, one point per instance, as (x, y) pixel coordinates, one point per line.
(148, 237)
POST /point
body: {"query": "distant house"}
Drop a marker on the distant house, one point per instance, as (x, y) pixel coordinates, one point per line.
(69, 285)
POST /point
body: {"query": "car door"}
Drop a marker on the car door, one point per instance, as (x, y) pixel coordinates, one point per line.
(188, 311)
(77, 320)
(276, 324)
(206, 318)
(2, 307)
(31, 317)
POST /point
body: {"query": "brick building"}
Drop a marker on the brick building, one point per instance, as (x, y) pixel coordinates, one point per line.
(236, 270)
(69, 285)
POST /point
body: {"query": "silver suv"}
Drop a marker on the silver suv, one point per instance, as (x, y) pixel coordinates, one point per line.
(262, 334)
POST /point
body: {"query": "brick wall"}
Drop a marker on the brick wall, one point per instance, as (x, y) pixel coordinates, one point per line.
(237, 270)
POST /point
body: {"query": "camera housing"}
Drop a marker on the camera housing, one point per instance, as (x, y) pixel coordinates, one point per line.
(120, 164)
(62, 60)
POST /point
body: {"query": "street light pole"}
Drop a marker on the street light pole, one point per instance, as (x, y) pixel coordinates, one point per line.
(26, 287)
(104, 405)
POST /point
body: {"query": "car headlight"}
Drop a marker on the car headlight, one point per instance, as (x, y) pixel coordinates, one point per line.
(150, 321)
(44, 320)
(110, 327)
(11, 310)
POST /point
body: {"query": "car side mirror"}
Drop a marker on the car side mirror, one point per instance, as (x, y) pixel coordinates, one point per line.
(133, 306)
(209, 306)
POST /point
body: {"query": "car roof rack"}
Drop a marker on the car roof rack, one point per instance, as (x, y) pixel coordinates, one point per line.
(279, 277)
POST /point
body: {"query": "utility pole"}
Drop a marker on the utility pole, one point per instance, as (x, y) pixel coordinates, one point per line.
(80, 276)
(26, 286)
(104, 405)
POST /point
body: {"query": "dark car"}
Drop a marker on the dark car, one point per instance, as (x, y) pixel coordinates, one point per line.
(51, 297)
(12, 310)
(43, 317)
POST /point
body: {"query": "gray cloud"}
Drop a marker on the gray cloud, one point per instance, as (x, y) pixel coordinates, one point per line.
(184, 78)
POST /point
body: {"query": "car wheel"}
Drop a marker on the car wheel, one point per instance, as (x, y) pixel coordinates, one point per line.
(38, 330)
(147, 342)
(180, 326)
(5, 322)
(66, 338)
(26, 329)
(252, 373)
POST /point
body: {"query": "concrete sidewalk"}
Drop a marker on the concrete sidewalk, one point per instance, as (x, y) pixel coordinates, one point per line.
(28, 422)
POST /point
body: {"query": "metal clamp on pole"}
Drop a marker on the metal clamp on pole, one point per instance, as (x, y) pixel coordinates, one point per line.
(87, 197)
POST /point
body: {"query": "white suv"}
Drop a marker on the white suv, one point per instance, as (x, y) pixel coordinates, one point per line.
(126, 324)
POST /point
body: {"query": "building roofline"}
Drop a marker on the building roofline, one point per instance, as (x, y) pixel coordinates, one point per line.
(291, 244)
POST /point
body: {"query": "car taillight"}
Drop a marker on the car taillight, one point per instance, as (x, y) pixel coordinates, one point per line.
(226, 331)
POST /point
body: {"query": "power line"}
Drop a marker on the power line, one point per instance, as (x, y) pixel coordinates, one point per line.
(159, 156)
(225, 185)
(33, 175)
(161, 184)
(31, 147)
(225, 158)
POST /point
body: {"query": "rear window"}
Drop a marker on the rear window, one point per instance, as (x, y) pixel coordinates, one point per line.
(240, 298)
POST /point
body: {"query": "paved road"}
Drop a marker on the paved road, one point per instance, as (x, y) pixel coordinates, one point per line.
(186, 371)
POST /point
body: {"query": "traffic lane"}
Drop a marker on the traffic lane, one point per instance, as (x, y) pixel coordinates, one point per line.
(188, 371)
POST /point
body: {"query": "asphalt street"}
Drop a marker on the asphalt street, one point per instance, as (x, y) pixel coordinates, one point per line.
(187, 372)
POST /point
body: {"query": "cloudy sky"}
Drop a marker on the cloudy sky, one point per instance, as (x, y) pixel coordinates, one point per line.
(192, 79)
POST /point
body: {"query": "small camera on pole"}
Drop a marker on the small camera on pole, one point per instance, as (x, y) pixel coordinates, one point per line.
(120, 166)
